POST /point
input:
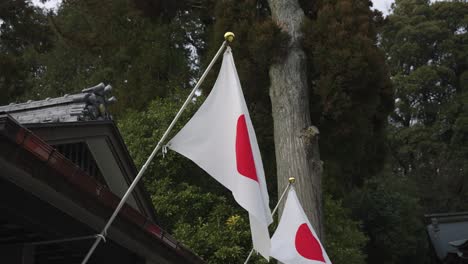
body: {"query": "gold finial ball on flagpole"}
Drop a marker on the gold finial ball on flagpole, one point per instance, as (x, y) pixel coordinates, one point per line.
(292, 180)
(229, 36)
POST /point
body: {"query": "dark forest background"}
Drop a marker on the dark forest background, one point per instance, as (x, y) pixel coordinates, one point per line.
(389, 95)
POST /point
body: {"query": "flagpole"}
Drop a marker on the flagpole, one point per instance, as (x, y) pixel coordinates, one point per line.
(291, 180)
(229, 37)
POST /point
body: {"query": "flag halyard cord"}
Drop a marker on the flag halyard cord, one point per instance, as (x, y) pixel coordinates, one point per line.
(101, 236)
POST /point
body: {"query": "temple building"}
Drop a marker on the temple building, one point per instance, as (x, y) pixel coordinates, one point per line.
(63, 169)
(448, 236)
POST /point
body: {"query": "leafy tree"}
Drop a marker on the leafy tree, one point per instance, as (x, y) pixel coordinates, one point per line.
(392, 218)
(24, 33)
(344, 236)
(143, 129)
(111, 41)
(351, 93)
(426, 46)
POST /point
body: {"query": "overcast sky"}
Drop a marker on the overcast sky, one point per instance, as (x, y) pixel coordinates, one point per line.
(382, 5)
(49, 4)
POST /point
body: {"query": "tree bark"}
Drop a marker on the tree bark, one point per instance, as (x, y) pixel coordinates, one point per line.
(296, 140)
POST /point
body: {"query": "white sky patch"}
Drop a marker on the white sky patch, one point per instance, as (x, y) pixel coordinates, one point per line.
(460, 31)
(383, 5)
(49, 4)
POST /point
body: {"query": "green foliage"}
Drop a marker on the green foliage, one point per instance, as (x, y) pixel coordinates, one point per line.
(219, 234)
(23, 35)
(110, 41)
(143, 129)
(392, 218)
(427, 50)
(344, 239)
(351, 93)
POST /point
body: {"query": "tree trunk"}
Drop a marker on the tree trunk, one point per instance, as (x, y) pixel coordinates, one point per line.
(296, 140)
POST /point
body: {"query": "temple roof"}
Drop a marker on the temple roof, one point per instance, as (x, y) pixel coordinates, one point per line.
(448, 234)
(42, 171)
(90, 104)
(80, 125)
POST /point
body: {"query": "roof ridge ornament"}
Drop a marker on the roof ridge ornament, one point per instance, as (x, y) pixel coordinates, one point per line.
(88, 105)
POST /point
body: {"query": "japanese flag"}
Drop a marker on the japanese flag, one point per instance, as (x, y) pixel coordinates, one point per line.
(221, 140)
(295, 241)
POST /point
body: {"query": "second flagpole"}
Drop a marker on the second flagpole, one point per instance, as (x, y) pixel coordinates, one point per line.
(229, 37)
(291, 180)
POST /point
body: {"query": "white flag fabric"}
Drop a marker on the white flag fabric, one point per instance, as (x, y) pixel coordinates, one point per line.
(221, 140)
(295, 240)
